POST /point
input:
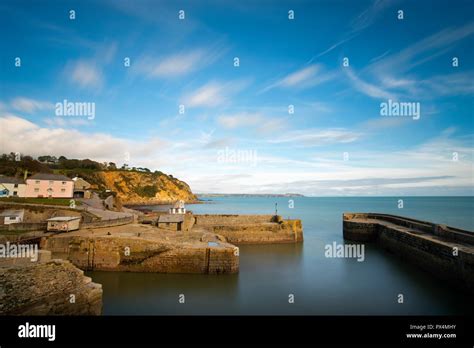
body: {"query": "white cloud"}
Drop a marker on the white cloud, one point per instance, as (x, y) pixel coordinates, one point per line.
(173, 65)
(299, 77)
(28, 138)
(302, 78)
(207, 95)
(214, 93)
(67, 121)
(385, 122)
(424, 169)
(85, 74)
(423, 50)
(317, 137)
(389, 74)
(30, 105)
(367, 88)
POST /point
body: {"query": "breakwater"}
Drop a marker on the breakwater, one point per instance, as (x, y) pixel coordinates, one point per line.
(143, 248)
(252, 229)
(444, 251)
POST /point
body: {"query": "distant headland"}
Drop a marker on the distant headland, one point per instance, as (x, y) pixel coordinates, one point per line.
(209, 195)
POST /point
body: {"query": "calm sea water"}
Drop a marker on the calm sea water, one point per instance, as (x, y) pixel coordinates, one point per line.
(321, 286)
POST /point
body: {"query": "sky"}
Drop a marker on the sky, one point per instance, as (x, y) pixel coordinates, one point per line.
(248, 96)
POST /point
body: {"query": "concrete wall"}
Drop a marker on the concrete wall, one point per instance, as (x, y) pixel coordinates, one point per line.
(107, 223)
(24, 226)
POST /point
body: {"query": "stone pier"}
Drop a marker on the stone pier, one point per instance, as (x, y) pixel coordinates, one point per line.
(444, 251)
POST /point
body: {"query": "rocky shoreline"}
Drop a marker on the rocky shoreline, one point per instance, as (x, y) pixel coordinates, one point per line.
(47, 287)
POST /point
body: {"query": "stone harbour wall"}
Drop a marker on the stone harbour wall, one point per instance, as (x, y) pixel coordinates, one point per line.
(252, 229)
(230, 219)
(446, 252)
(141, 255)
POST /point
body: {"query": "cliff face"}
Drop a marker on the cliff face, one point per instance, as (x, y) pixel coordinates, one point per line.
(146, 188)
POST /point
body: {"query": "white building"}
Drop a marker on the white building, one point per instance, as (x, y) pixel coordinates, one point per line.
(8, 217)
(63, 223)
(16, 187)
(178, 208)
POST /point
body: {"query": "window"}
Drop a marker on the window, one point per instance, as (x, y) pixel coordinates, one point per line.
(12, 218)
(63, 190)
(37, 189)
(64, 183)
(15, 193)
(15, 186)
(37, 182)
(51, 182)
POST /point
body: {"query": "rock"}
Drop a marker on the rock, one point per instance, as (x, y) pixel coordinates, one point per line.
(46, 289)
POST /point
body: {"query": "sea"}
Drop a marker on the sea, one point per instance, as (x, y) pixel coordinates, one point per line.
(298, 279)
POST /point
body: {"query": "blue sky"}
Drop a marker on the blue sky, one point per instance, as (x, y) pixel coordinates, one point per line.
(236, 134)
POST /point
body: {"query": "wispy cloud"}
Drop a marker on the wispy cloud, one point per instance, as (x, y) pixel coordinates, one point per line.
(370, 14)
(30, 105)
(303, 78)
(390, 74)
(317, 137)
(178, 64)
(358, 24)
(367, 88)
(332, 47)
(214, 93)
(89, 72)
(423, 50)
(85, 74)
(257, 121)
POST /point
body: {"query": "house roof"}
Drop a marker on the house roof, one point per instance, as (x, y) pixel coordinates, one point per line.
(47, 176)
(12, 212)
(171, 218)
(11, 180)
(78, 181)
(64, 218)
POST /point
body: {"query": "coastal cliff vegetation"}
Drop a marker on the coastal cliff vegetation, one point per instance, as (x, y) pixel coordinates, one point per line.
(134, 185)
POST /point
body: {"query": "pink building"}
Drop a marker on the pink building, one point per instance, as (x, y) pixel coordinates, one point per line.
(49, 185)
